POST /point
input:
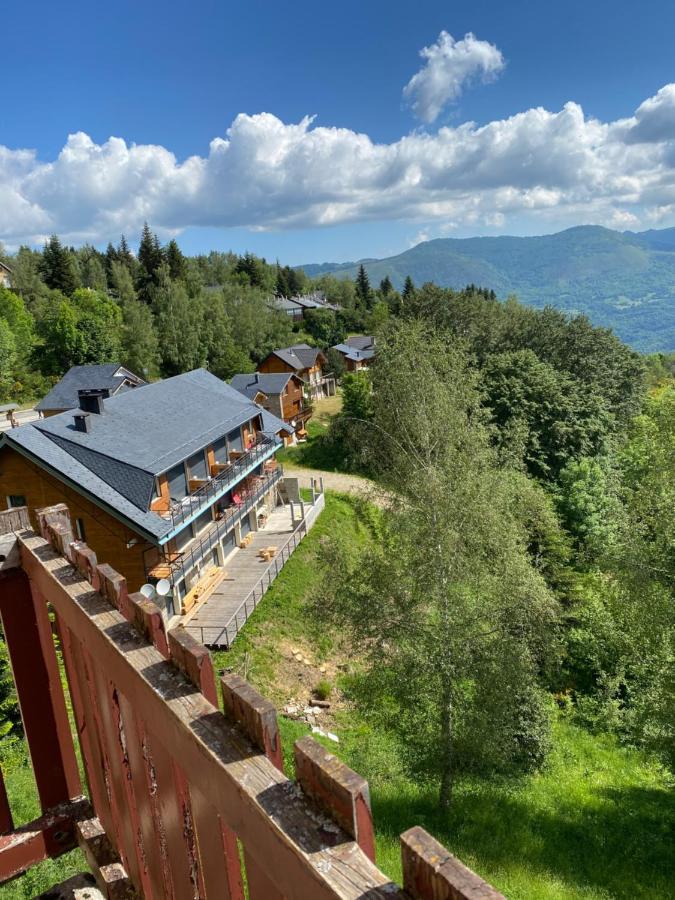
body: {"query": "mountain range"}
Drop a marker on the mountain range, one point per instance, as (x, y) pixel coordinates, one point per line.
(621, 280)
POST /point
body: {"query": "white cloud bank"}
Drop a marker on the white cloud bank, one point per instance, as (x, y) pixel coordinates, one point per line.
(550, 169)
(449, 66)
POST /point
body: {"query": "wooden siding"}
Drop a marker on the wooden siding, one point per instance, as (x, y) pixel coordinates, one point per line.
(105, 534)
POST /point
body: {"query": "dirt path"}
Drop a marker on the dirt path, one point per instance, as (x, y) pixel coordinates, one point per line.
(335, 481)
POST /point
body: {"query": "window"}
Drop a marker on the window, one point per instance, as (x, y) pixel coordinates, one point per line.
(79, 530)
(234, 440)
(220, 450)
(202, 521)
(183, 538)
(177, 482)
(15, 500)
(197, 465)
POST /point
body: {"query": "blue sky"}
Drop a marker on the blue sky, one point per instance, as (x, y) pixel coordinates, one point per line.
(376, 170)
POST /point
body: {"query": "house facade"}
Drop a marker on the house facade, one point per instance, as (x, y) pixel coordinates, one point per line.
(163, 482)
(296, 307)
(282, 394)
(304, 361)
(5, 275)
(358, 352)
(110, 379)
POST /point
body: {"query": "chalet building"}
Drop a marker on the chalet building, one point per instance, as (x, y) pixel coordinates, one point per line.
(162, 482)
(5, 275)
(296, 307)
(357, 351)
(110, 379)
(304, 361)
(282, 394)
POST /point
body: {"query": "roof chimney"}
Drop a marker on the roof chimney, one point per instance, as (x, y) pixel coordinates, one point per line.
(82, 422)
(91, 399)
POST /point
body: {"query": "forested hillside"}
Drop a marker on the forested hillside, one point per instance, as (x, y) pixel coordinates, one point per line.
(624, 281)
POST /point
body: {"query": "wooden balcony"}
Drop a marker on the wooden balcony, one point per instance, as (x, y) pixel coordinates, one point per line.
(178, 785)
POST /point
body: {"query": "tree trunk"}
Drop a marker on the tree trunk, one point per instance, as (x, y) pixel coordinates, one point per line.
(445, 791)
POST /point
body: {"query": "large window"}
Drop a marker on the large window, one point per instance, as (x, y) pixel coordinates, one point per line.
(202, 521)
(197, 465)
(220, 450)
(184, 537)
(234, 440)
(177, 482)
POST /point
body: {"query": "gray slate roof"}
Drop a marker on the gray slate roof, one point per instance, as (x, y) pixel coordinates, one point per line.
(299, 356)
(353, 353)
(361, 342)
(140, 434)
(269, 383)
(111, 376)
(272, 425)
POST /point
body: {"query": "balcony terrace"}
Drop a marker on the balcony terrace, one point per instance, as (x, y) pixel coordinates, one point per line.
(224, 476)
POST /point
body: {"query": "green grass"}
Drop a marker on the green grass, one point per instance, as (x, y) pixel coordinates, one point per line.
(315, 453)
(23, 799)
(596, 823)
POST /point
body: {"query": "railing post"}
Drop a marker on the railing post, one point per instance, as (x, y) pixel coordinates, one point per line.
(30, 644)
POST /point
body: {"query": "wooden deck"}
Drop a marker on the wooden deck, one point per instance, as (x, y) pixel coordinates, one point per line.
(217, 621)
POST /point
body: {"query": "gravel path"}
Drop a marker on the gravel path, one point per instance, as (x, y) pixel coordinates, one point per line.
(333, 481)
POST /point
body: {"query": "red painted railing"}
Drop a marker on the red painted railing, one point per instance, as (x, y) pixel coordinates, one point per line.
(185, 800)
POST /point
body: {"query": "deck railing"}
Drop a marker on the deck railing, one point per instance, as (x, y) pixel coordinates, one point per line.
(187, 800)
(181, 510)
(227, 634)
(181, 562)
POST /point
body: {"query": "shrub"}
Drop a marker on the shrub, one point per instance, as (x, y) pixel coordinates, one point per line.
(323, 689)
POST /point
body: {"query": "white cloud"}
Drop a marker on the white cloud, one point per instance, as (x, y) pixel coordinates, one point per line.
(449, 65)
(537, 170)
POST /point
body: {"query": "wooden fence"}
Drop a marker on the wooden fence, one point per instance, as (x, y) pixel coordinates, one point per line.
(185, 800)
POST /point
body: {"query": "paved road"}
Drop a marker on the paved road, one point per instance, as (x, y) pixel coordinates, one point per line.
(22, 416)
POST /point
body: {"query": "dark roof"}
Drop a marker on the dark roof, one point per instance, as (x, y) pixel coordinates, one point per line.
(353, 353)
(139, 435)
(4, 266)
(361, 342)
(299, 356)
(112, 377)
(269, 383)
(271, 425)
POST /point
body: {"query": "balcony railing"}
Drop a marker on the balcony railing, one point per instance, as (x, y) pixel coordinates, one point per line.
(173, 565)
(181, 802)
(182, 510)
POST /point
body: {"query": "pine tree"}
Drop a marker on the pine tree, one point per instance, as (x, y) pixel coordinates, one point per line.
(364, 293)
(281, 286)
(408, 289)
(124, 253)
(150, 259)
(386, 287)
(175, 261)
(58, 268)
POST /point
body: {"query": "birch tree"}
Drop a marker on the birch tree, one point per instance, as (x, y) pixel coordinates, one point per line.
(445, 606)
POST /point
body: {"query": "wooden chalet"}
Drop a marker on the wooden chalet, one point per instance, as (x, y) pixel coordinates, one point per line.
(304, 361)
(282, 393)
(357, 351)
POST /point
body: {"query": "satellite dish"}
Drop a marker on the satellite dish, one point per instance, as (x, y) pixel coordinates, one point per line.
(163, 587)
(148, 591)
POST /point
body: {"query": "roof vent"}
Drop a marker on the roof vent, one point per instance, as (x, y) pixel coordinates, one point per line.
(82, 422)
(91, 399)
(256, 378)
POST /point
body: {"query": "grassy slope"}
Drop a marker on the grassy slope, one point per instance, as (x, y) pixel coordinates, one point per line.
(594, 824)
(311, 453)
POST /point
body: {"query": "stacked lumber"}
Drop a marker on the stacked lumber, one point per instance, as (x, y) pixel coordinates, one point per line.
(267, 553)
(202, 589)
(245, 541)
